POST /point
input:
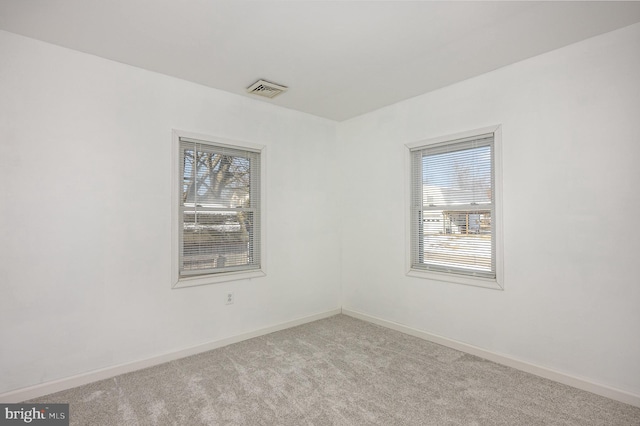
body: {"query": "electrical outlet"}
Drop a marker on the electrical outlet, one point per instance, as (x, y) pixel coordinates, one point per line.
(229, 298)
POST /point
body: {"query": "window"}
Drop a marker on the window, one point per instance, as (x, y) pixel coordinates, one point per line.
(454, 208)
(217, 207)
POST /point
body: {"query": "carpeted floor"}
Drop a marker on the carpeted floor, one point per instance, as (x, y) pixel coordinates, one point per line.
(336, 371)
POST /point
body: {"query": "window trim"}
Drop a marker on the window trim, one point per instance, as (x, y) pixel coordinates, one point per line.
(496, 283)
(176, 179)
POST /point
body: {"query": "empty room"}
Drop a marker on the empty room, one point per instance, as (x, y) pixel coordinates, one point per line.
(319, 212)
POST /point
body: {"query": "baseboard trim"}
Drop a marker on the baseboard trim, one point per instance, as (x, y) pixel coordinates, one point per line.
(547, 373)
(42, 389)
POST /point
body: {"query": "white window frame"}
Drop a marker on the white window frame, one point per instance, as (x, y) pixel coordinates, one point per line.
(176, 181)
(498, 282)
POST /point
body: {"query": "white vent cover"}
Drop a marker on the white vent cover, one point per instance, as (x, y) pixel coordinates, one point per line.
(266, 89)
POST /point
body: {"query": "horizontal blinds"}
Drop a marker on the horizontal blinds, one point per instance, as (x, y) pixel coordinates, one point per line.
(453, 206)
(219, 208)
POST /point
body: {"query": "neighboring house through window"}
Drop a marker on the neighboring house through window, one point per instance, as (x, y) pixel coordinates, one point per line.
(217, 210)
(455, 199)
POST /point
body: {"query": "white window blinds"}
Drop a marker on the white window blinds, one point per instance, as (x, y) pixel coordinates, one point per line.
(452, 206)
(219, 208)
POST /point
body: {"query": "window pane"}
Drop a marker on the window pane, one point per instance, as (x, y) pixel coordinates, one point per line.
(216, 179)
(457, 177)
(217, 239)
(458, 239)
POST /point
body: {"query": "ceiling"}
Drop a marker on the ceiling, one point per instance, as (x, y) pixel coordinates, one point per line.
(340, 59)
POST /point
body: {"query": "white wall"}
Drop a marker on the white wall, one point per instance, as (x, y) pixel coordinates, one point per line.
(85, 214)
(571, 148)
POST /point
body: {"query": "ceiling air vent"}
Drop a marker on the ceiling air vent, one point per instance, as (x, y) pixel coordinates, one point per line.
(266, 89)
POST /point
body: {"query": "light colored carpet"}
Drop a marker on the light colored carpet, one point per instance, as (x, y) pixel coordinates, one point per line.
(336, 371)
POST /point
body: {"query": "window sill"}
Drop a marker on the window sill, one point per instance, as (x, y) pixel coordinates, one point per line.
(456, 279)
(218, 278)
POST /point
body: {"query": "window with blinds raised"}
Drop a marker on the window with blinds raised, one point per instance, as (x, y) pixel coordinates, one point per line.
(219, 212)
(453, 207)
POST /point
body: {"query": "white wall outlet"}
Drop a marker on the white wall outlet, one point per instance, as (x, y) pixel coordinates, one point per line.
(229, 299)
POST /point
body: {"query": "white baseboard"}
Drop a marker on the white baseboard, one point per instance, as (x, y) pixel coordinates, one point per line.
(42, 389)
(547, 373)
